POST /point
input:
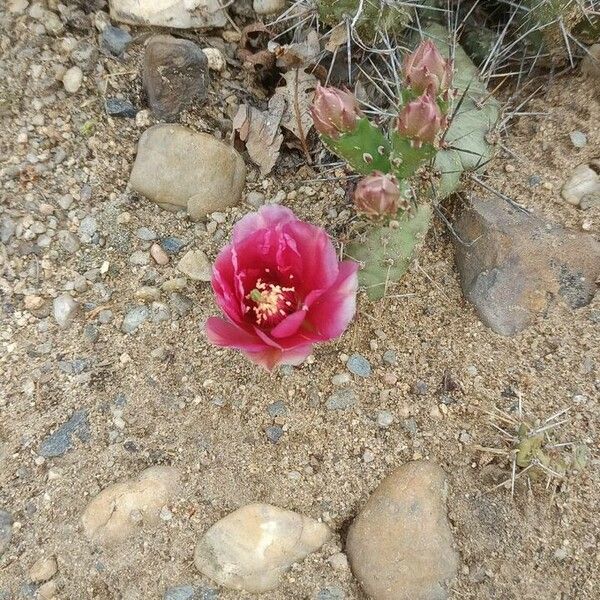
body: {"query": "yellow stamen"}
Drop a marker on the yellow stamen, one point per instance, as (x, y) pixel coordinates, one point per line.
(268, 298)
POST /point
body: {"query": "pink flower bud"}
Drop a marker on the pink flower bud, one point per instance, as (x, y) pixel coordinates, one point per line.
(334, 112)
(421, 120)
(377, 194)
(427, 70)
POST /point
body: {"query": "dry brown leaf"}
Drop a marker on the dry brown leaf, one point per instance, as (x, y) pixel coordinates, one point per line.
(337, 37)
(260, 132)
(298, 55)
(298, 94)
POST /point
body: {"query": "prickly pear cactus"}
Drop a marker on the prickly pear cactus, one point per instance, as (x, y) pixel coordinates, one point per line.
(372, 18)
(386, 253)
(365, 149)
(468, 138)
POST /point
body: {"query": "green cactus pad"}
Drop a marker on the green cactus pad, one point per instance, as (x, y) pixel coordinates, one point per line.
(468, 134)
(405, 159)
(386, 252)
(375, 17)
(366, 149)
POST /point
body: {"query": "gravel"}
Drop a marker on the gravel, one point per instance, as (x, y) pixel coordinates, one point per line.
(359, 365)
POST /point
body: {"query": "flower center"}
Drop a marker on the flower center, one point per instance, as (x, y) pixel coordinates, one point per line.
(271, 302)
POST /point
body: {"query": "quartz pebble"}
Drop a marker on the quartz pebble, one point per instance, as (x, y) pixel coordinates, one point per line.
(65, 308)
(195, 265)
(159, 255)
(72, 79)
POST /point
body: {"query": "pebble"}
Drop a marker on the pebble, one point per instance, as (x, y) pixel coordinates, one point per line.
(147, 293)
(195, 265)
(88, 227)
(6, 525)
(341, 379)
(359, 365)
(384, 418)
(116, 107)
(105, 316)
(65, 309)
(339, 561)
(277, 409)
(274, 433)
(174, 74)
(146, 234)
(255, 199)
(233, 552)
(583, 183)
(48, 590)
(333, 592)
(578, 139)
(159, 255)
(195, 14)
(59, 442)
(68, 241)
(115, 40)
(173, 165)
(390, 358)
(7, 229)
(181, 304)
(216, 61)
(182, 592)
(400, 545)
(72, 79)
(91, 333)
(341, 400)
(134, 318)
(108, 517)
(43, 569)
(268, 7)
(139, 258)
(172, 245)
(85, 55)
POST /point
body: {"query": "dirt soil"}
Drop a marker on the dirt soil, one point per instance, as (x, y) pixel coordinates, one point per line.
(202, 409)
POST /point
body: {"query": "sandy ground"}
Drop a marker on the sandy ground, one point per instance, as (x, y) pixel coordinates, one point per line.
(203, 409)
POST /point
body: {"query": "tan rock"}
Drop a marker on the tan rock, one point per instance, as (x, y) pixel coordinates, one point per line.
(253, 546)
(400, 545)
(112, 515)
(43, 569)
(48, 590)
(182, 169)
(195, 265)
(179, 14)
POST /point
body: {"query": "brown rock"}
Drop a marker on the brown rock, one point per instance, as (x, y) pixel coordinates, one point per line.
(175, 73)
(400, 545)
(515, 264)
(182, 169)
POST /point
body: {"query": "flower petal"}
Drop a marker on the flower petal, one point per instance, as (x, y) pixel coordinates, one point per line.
(267, 217)
(269, 359)
(290, 325)
(229, 335)
(331, 313)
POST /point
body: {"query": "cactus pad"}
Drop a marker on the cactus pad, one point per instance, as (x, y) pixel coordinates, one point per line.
(366, 148)
(474, 120)
(387, 251)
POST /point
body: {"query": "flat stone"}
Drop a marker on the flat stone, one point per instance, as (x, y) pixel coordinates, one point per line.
(182, 592)
(359, 365)
(115, 40)
(182, 169)
(252, 547)
(65, 309)
(277, 409)
(195, 265)
(6, 522)
(516, 264)
(400, 545)
(341, 400)
(61, 440)
(173, 245)
(178, 14)
(384, 418)
(43, 569)
(578, 139)
(134, 318)
(72, 79)
(274, 433)
(115, 107)
(112, 515)
(174, 74)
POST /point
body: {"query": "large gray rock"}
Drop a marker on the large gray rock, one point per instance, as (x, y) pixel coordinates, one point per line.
(175, 74)
(253, 546)
(179, 14)
(181, 169)
(400, 545)
(515, 264)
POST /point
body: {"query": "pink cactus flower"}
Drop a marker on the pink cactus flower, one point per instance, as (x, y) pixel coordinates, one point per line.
(421, 120)
(377, 195)
(281, 289)
(426, 69)
(334, 111)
